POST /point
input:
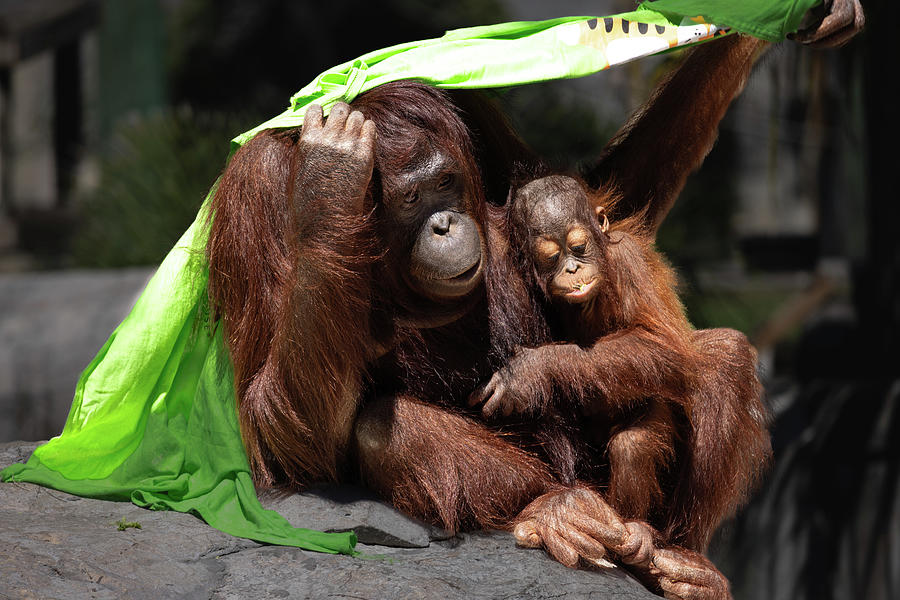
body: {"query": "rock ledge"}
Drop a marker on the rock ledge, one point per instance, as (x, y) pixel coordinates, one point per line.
(61, 546)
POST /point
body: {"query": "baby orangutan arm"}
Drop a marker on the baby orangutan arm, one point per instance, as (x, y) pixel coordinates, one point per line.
(614, 299)
(613, 374)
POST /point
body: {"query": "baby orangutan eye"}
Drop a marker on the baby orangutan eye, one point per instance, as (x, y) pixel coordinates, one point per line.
(577, 240)
(546, 251)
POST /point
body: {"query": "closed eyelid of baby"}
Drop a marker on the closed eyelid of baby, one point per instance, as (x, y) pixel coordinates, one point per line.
(546, 249)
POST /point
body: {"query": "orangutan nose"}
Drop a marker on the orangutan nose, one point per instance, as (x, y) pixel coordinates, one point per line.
(571, 265)
(441, 222)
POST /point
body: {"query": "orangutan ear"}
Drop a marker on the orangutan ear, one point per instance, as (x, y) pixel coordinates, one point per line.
(600, 213)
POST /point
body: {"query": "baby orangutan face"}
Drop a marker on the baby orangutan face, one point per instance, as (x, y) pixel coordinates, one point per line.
(565, 240)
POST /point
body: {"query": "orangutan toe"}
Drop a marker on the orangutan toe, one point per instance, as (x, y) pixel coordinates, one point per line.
(686, 575)
(526, 535)
(638, 548)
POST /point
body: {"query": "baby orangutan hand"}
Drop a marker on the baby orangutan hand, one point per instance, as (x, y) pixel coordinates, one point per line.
(518, 388)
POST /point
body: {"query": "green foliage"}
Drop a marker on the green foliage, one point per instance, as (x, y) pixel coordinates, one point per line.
(122, 524)
(565, 129)
(743, 309)
(234, 54)
(699, 228)
(153, 177)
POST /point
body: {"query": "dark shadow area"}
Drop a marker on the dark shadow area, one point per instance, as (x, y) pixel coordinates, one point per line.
(827, 522)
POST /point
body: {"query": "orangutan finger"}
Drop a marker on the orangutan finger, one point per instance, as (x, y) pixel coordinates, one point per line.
(338, 116)
(638, 547)
(494, 401)
(833, 41)
(679, 567)
(837, 28)
(611, 537)
(605, 513)
(679, 590)
(590, 502)
(368, 134)
(586, 546)
(844, 15)
(312, 118)
(479, 394)
(490, 406)
(484, 391)
(354, 123)
(814, 38)
(640, 557)
(559, 549)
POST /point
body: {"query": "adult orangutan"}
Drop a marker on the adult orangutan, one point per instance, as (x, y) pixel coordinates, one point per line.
(334, 290)
(341, 261)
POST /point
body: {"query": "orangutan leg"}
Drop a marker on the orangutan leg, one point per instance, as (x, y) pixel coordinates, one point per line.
(444, 468)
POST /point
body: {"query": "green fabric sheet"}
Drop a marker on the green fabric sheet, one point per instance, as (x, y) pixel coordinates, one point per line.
(154, 421)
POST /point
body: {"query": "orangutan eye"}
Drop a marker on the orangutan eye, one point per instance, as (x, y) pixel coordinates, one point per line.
(577, 240)
(445, 182)
(546, 252)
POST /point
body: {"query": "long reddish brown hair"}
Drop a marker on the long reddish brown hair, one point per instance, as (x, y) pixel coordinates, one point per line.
(298, 315)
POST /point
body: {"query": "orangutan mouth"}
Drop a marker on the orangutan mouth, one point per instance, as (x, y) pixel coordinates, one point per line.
(468, 273)
(582, 289)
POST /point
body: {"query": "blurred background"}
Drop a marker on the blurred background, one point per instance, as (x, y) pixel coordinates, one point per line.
(115, 117)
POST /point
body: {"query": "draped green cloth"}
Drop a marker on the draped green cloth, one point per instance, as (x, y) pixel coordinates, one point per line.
(154, 421)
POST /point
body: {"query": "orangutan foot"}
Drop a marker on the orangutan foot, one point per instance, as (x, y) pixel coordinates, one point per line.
(576, 524)
(686, 575)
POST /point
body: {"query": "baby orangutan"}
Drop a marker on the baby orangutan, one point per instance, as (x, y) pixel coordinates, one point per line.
(670, 420)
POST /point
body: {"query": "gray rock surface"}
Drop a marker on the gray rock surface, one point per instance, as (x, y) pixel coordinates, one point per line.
(56, 545)
(51, 326)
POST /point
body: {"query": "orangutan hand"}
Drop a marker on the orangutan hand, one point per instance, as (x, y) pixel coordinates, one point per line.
(337, 157)
(839, 21)
(518, 388)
